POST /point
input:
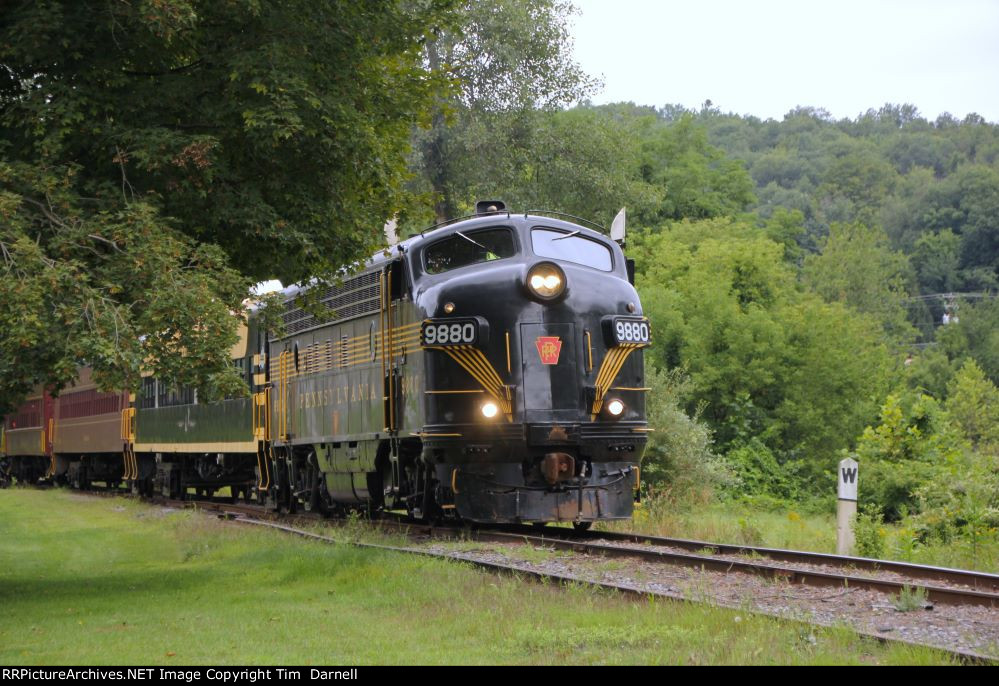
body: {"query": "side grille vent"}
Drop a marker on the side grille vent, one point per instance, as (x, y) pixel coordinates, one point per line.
(355, 297)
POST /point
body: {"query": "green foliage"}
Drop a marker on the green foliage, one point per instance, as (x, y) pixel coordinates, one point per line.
(119, 288)
(907, 449)
(910, 599)
(699, 180)
(156, 158)
(856, 267)
(973, 405)
(869, 533)
(678, 458)
(787, 227)
(510, 61)
(929, 371)
(577, 161)
(889, 167)
(766, 360)
(759, 476)
(588, 161)
(975, 335)
(936, 260)
(960, 504)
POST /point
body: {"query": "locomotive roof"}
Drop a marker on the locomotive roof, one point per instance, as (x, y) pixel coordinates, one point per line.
(449, 228)
(498, 218)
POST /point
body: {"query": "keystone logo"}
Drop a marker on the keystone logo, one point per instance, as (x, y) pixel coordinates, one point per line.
(548, 348)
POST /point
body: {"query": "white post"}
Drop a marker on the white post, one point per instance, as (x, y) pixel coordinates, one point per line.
(846, 508)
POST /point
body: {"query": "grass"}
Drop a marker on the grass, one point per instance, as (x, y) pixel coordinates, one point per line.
(113, 581)
(726, 522)
(910, 599)
(733, 523)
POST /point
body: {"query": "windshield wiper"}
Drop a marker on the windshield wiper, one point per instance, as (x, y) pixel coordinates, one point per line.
(568, 235)
(471, 241)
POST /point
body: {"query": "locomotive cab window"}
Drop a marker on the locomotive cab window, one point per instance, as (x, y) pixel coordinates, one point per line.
(462, 249)
(565, 245)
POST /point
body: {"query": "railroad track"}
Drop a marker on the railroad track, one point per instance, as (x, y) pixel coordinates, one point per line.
(938, 584)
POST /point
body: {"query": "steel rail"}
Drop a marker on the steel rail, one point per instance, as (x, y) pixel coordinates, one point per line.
(983, 581)
(936, 594)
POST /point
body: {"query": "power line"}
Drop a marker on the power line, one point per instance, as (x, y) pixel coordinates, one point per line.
(947, 297)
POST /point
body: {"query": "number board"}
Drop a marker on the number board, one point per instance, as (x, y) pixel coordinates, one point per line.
(619, 330)
(454, 331)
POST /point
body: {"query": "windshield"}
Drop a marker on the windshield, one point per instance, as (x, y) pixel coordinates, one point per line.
(566, 245)
(464, 248)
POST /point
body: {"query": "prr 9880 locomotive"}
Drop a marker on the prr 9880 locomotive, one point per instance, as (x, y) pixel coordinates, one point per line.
(489, 369)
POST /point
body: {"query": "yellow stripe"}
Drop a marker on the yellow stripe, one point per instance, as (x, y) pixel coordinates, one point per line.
(488, 376)
(605, 366)
(609, 369)
(233, 447)
(455, 354)
(492, 389)
(482, 364)
(508, 369)
(474, 390)
(484, 361)
(469, 362)
(73, 423)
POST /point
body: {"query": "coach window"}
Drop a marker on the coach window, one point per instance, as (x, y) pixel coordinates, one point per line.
(461, 249)
(148, 399)
(566, 245)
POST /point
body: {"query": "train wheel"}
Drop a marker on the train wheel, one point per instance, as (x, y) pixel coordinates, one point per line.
(582, 526)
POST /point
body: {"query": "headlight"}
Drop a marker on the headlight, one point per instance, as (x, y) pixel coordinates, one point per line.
(615, 407)
(489, 410)
(546, 281)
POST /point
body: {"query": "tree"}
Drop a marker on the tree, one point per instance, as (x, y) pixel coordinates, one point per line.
(159, 156)
(766, 360)
(856, 267)
(973, 405)
(862, 179)
(509, 59)
(698, 179)
(909, 446)
(936, 261)
(975, 335)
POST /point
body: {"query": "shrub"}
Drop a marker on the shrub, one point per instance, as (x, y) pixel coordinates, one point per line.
(678, 461)
(869, 533)
(909, 447)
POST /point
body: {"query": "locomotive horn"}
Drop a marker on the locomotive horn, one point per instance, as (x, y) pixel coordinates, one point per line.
(390, 235)
(617, 227)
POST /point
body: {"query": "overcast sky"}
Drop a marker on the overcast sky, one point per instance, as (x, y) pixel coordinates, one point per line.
(764, 57)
